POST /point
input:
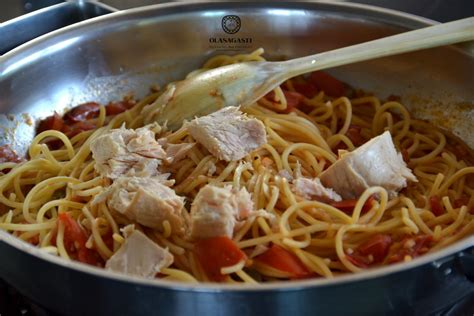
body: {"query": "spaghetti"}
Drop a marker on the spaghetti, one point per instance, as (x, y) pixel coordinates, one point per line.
(47, 199)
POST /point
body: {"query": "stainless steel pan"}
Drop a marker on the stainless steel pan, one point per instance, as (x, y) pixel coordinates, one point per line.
(104, 58)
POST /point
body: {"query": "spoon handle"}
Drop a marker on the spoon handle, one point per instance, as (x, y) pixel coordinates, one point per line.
(438, 35)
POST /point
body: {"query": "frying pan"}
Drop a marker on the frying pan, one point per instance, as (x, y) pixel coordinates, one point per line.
(105, 58)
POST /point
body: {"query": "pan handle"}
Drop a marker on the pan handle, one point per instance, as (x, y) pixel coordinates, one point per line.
(462, 262)
(20, 30)
(466, 261)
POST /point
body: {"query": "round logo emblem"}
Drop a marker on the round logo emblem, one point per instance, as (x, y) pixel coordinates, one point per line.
(231, 24)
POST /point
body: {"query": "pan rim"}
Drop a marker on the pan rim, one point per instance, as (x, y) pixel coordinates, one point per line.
(376, 13)
(17, 54)
(430, 258)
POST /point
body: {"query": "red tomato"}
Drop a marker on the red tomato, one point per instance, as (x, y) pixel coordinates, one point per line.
(54, 143)
(347, 206)
(462, 200)
(109, 240)
(436, 206)
(54, 122)
(8, 155)
(327, 83)
(75, 241)
(82, 112)
(114, 108)
(353, 133)
(281, 259)
(72, 228)
(411, 246)
(377, 246)
(307, 89)
(293, 99)
(405, 155)
(34, 240)
(358, 260)
(77, 128)
(270, 96)
(215, 253)
(70, 131)
(461, 151)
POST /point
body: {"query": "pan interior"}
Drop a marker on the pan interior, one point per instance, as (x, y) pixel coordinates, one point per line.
(107, 58)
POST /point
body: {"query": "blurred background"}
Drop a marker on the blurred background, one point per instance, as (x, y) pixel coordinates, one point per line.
(438, 10)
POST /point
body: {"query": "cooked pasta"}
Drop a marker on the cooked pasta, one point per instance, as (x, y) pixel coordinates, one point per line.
(53, 199)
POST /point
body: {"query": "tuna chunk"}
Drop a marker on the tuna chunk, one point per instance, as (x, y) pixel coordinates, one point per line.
(175, 152)
(228, 134)
(376, 163)
(139, 256)
(147, 201)
(311, 189)
(127, 152)
(216, 211)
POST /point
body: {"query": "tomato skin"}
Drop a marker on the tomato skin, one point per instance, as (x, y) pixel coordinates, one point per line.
(70, 131)
(82, 112)
(75, 241)
(353, 133)
(421, 244)
(73, 122)
(54, 143)
(8, 155)
(77, 128)
(307, 89)
(463, 200)
(377, 246)
(34, 240)
(358, 260)
(293, 100)
(114, 108)
(73, 229)
(347, 206)
(77, 119)
(281, 259)
(215, 253)
(330, 85)
(405, 155)
(460, 151)
(355, 136)
(54, 122)
(436, 206)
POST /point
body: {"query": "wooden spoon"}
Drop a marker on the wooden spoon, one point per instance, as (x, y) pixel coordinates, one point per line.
(244, 83)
